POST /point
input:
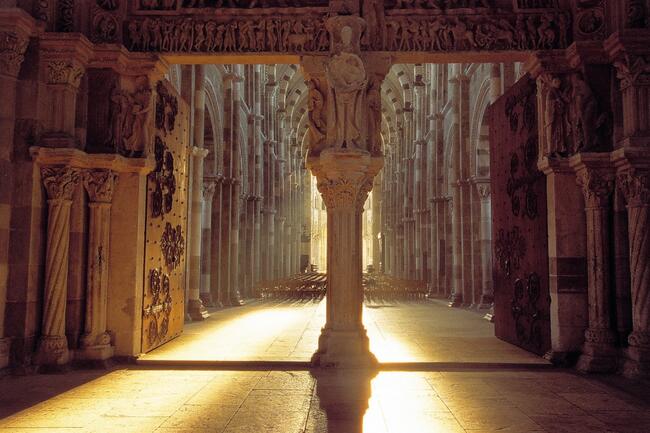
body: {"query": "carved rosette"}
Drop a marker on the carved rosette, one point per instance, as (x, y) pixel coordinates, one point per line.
(172, 245)
(60, 182)
(597, 187)
(12, 52)
(100, 185)
(63, 72)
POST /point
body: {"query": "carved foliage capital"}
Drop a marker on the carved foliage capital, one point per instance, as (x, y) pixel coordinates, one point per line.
(344, 193)
(597, 187)
(632, 70)
(484, 190)
(64, 72)
(209, 186)
(12, 52)
(60, 181)
(635, 186)
(100, 185)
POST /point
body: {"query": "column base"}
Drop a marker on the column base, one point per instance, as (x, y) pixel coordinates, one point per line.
(207, 300)
(4, 352)
(52, 351)
(561, 359)
(344, 349)
(597, 358)
(196, 310)
(94, 353)
(637, 362)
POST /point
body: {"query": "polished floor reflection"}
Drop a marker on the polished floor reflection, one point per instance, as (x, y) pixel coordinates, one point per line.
(173, 401)
(421, 331)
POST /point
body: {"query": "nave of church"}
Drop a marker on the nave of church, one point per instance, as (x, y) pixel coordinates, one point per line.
(342, 216)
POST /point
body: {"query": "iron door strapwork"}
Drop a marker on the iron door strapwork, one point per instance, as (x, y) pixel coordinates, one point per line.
(519, 221)
(166, 223)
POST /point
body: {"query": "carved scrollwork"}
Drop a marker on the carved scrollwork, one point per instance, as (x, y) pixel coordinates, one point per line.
(172, 245)
(510, 249)
(158, 312)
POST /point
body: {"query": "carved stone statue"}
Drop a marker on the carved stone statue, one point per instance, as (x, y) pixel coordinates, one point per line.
(588, 120)
(556, 118)
(348, 82)
(315, 105)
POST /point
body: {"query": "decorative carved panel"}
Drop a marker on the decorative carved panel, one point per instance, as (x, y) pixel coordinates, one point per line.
(520, 252)
(166, 229)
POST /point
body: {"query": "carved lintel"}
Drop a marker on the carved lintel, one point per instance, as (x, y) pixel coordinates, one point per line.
(60, 181)
(100, 185)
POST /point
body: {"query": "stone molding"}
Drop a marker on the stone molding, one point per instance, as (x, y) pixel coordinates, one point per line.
(82, 160)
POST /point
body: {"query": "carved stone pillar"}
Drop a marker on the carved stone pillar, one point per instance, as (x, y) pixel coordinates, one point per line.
(634, 182)
(60, 183)
(596, 177)
(15, 28)
(63, 64)
(209, 187)
(195, 308)
(457, 248)
(487, 290)
(217, 256)
(95, 342)
(344, 180)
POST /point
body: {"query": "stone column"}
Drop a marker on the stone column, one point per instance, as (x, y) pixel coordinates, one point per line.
(15, 28)
(195, 308)
(60, 183)
(209, 186)
(634, 182)
(95, 342)
(217, 256)
(344, 181)
(596, 177)
(457, 247)
(487, 290)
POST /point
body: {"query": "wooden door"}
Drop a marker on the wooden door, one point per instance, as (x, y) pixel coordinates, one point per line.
(166, 223)
(519, 222)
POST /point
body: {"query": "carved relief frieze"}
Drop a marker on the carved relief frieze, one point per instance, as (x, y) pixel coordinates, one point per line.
(159, 310)
(172, 245)
(189, 34)
(173, 5)
(530, 31)
(510, 250)
(12, 52)
(129, 114)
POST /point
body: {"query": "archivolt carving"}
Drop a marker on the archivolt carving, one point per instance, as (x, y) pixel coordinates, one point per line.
(172, 245)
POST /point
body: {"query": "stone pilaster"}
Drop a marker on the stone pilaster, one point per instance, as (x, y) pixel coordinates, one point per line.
(63, 63)
(96, 342)
(634, 182)
(16, 27)
(195, 308)
(208, 190)
(60, 183)
(595, 175)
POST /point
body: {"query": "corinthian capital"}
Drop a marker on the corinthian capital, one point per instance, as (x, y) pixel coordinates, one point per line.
(60, 182)
(12, 52)
(597, 187)
(64, 72)
(100, 185)
(635, 186)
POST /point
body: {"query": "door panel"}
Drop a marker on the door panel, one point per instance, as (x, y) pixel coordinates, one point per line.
(519, 222)
(166, 226)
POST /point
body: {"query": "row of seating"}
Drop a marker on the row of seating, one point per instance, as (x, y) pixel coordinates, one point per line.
(310, 285)
(385, 286)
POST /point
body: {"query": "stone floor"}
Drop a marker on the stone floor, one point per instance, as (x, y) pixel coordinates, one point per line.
(141, 400)
(424, 331)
